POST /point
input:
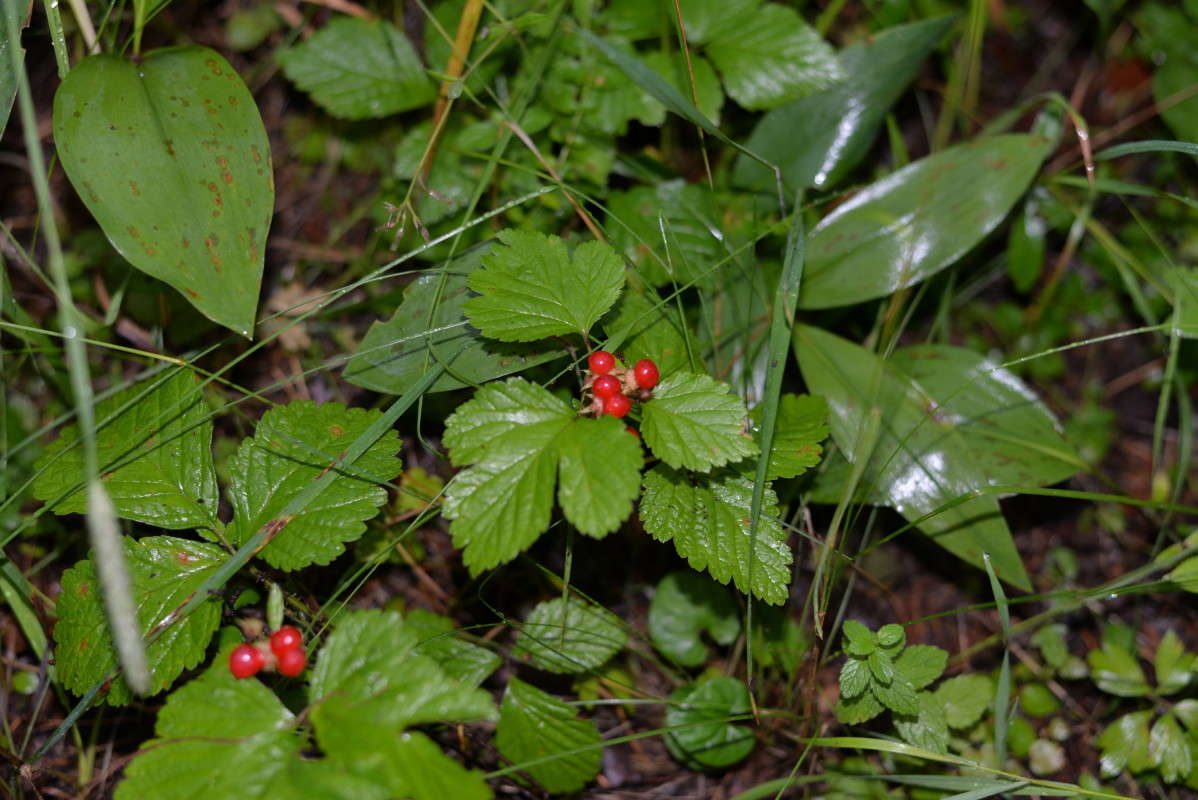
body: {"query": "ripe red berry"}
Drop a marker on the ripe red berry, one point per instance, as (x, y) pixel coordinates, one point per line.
(284, 639)
(606, 386)
(292, 662)
(646, 373)
(633, 431)
(617, 405)
(245, 661)
(601, 362)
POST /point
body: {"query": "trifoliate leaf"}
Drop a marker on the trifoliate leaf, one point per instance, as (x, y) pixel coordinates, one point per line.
(1169, 750)
(921, 664)
(707, 519)
(1117, 672)
(532, 288)
(570, 635)
(369, 677)
(881, 666)
(684, 606)
(1174, 666)
(858, 639)
(965, 699)
(1051, 641)
(154, 445)
(215, 737)
(801, 425)
(856, 710)
(1124, 744)
(692, 422)
(897, 695)
(854, 678)
(165, 572)
(429, 328)
(717, 743)
(412, 766)
(293, 446)
(517, 434)
(359, 69)
(771, 56)
(466, 663)
(927, 729)
(534, 725)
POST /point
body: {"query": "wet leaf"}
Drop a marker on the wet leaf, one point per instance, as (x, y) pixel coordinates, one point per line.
(171, 158)
(570, 635)
(463, 661)
(716, 743)
(693, 422)
(684, 606)
(534, 725)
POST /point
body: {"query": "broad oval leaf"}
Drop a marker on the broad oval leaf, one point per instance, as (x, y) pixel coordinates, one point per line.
(570, 635)
(684, 606)
(534, 726)
(171, 158)
(713, 743)
(910, 225)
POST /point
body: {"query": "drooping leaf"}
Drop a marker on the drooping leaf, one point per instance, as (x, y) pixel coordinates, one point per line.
(154, 446)
(534, 725)
(570, 635)
(707, 519)
(921, 664)
(927, 729)
(716, 743)
(1124, 744)
(293, 446)
(517, 434)
(771, 56)
(1169, 750)
(531, 287)
(815, 141)
(915, 222)
(684, 606)
(171, 158)
(429, 328)
(164, 572)
(801, 425)
(215, 720)
(951, 423)
(965, 699)
(692, 422)
(1117, 671)
(466, 663)
(359, 69)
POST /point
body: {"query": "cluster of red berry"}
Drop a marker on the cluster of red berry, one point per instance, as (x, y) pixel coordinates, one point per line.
(285, 654)
(613, 386)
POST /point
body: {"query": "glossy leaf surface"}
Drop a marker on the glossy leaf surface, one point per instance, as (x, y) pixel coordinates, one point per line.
(915, 222)
(570, 635)
(693, 422)
(715, 743)
(802, 423)
(534, 725)
(171, 158)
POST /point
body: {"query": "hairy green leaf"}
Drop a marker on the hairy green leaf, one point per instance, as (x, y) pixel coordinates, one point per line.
(897, 695)
(854, 678)
(707, 519)
(466, 663)
(928, 728)
(293, 446)
(570, 635)
(692, 422)
(534, 725)
(165, 572)
(359, 69)
(154, 446)
(802, 424)
(965, 699)
(684, 606)
(715, 742)
(859, 640)
(921, 664)
(856, 710)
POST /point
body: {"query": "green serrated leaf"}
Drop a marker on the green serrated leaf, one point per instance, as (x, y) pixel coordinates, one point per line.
(531, 287)
(881, 666)
(965, 699)
(1185, 575)
(570, 635)
(684, 606)
(466, 663)
(293, 446)
(195, 731)
(921, 664)
(154, 445)
(411, 765)
(856, 710)
(1051, 642)
(1117, 672)
(891, 635)
(534, 725)
(648, 329)
(1174, 666)
(858, 639)
(692, 422)
(1169, 750)
(516, 434)
(1124, 744)
(429, 328)
(164, 572)
(717, 743)
(368, 676)
(802, 424)
(927, 729)
(897, 695)
(359, 69)
(171, 157)
(854, 678)
(707, 519)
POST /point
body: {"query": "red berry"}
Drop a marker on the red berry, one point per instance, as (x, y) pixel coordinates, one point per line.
(245, 661)
(284, 639)
(606, 386)
(617, 405)
(633, 431)
(646, 373)
(601, 362)
(292, 662)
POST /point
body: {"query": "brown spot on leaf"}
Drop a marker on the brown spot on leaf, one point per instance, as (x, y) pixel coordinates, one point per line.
(150, 251)
(133, 231)
(336, 430)
(170, 146)
(133, 188)
(254, 152)
(192, 294)
(84, 589)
